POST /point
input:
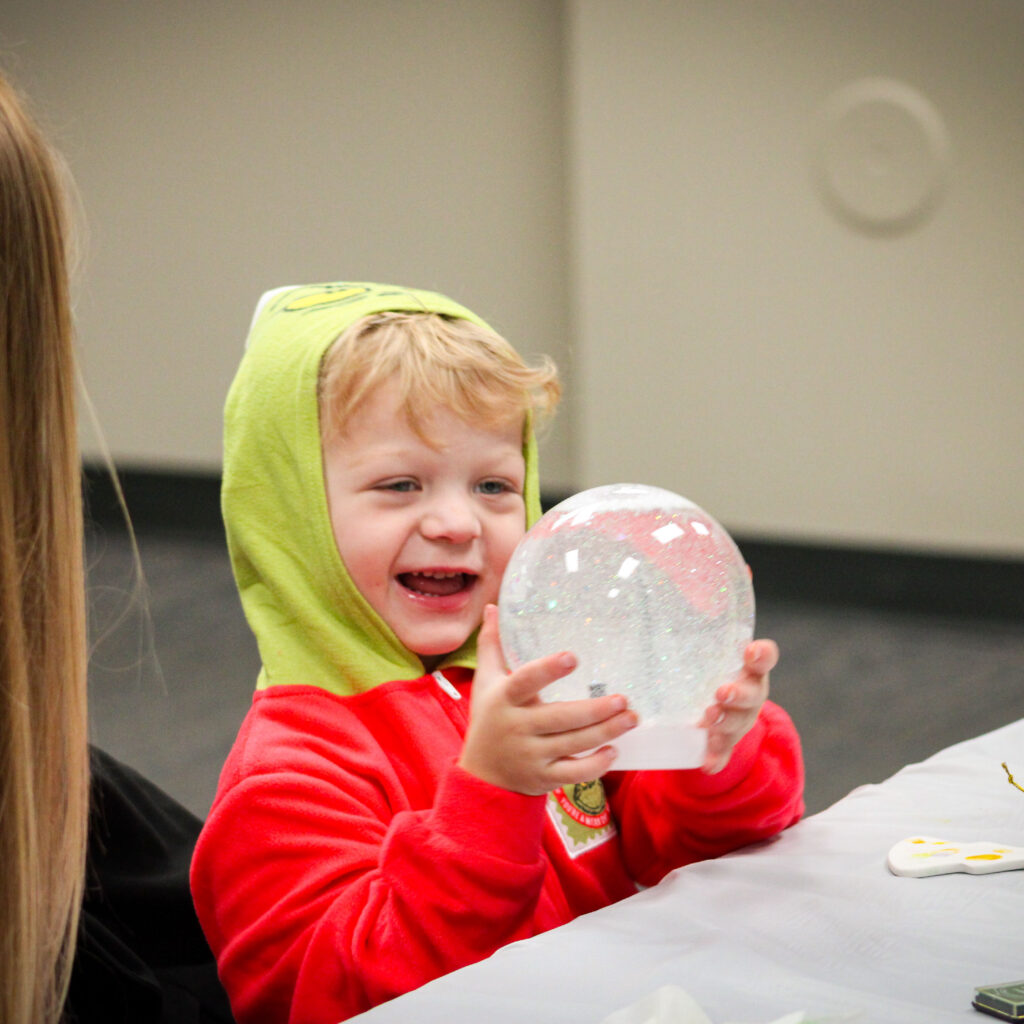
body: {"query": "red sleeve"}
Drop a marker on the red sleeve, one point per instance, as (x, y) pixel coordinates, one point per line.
(319, 901)
(671, 818)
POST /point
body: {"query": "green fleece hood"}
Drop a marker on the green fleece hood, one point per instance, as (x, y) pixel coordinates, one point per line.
(312, 625)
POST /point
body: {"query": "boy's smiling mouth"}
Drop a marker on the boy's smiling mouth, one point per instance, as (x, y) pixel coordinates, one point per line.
(437, 582)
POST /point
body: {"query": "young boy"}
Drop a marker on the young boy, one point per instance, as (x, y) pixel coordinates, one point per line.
(371, 831)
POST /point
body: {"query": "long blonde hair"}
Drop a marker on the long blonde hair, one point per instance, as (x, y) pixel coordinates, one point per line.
(43, 747)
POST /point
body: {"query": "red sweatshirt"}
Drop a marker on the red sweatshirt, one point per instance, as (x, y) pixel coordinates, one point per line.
(348, 859)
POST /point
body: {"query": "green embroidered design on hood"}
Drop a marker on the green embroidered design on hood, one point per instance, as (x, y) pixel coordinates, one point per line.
(312, 625)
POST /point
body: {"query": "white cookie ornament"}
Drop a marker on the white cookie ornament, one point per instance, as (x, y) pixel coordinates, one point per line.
(921, 856)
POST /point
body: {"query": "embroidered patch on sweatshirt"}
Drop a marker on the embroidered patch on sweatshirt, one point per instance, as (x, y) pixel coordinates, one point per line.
(581, 816)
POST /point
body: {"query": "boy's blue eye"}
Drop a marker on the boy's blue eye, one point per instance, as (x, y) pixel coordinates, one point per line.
(493, 487)
(400, 485)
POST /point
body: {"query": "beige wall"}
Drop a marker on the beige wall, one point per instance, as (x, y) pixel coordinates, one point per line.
(793, 372)
(629, 189)
(224, 148)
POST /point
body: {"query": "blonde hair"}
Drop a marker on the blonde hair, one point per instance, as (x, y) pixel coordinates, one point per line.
(43, 744)
(437, 362)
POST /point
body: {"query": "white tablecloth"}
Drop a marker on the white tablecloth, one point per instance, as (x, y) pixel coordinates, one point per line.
(811, 921)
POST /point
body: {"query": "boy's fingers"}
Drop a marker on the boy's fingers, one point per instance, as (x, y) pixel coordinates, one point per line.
(578, 742)
(526, 682)
(761, 657)
(738, 702)
(750, 688)
(530, 679)
(490, 659)
(568, 716)
(570, 770)
(744, 696)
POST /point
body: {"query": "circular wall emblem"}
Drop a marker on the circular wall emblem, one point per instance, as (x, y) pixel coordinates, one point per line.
(881, 155)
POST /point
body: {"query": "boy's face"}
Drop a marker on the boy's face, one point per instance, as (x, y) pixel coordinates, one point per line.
(425, 533)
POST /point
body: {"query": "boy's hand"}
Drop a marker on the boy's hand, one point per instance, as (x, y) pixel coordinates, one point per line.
(738, 703)
(518, 742)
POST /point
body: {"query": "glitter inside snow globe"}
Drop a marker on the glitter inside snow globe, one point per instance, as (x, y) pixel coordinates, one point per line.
(652, 597)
